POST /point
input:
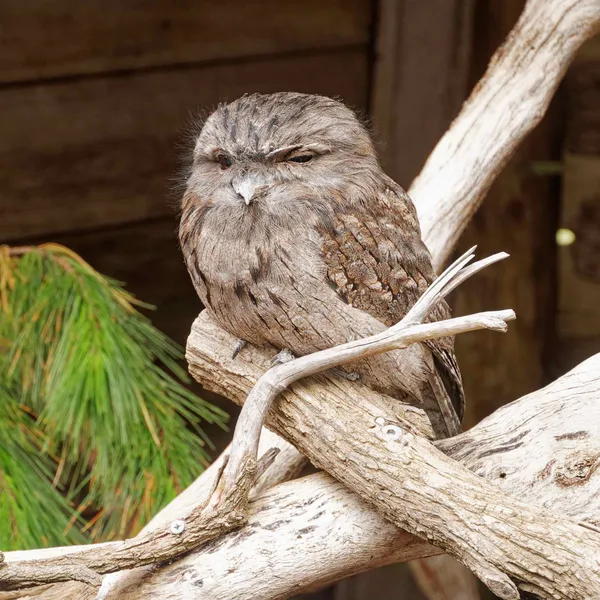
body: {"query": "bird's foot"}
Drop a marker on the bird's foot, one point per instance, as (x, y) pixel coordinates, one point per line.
(239, 346)
(282, 357)
(350, 376)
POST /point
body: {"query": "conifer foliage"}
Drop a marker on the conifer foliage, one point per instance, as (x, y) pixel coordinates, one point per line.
(97, 429)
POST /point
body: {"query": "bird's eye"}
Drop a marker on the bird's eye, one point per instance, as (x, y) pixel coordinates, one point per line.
(225, 161)
(301, 158)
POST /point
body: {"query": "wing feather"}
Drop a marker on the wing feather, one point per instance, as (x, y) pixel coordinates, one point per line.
(378, 263)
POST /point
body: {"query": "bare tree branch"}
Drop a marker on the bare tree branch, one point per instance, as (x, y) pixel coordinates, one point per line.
(504, 107)
(543, 448)
(415, 486)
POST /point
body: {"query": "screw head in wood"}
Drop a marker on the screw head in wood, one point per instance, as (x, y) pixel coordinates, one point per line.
(177, 527)
(392, 432)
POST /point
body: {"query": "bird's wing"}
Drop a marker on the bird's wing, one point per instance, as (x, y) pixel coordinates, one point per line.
(377, 262)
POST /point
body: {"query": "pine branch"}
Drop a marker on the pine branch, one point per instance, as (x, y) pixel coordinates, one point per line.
(31, 509)
(103, 386)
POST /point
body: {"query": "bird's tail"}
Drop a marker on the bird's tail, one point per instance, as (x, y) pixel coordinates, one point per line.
(446, 409)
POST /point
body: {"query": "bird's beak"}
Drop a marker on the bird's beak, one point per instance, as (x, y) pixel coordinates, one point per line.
(247, 186)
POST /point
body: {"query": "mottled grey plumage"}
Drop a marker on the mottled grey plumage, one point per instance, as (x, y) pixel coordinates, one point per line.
(292, 232)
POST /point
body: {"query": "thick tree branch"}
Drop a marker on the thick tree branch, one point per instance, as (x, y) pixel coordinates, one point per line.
(415, 486)
(543, 448)
(504, 107)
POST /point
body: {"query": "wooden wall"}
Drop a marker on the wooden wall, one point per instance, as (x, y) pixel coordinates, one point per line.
(578, 333)
(421, 78)
(96, 102)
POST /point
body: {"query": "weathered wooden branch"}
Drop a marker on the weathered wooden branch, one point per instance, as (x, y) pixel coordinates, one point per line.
(417, 487)
(543, 448)
(508, 102)
(200, 525)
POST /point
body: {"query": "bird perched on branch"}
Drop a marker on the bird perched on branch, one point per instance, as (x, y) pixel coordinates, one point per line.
(294, 236)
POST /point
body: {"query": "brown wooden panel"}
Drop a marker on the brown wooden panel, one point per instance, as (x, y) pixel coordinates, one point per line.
(579, 263)
(579, 291)
(41, 38)
(583, 86)
(96, 152)
(421, 78)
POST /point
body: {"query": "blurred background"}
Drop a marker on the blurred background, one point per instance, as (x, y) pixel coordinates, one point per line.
(97, 99)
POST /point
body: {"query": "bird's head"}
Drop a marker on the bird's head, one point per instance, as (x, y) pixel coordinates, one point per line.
(278, 152)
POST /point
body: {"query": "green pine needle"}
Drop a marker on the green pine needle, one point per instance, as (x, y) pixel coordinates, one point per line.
(106, 386)
(32, 511)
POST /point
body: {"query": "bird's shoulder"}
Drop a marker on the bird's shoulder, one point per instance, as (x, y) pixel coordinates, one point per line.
(375, 258)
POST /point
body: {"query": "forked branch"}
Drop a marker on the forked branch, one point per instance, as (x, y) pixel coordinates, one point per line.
(228, 508)
(409, 330)
(363, 443)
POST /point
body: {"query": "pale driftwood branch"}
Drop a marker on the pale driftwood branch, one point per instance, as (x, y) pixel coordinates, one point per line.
(418, 488)
(504, 107)
(203, 523)
(409, 330)
(544, 448)
(287, 464)
(207, 521)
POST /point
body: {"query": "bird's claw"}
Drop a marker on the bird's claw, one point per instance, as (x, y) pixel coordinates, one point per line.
(239, 346)
(282, 357)
(349, 375)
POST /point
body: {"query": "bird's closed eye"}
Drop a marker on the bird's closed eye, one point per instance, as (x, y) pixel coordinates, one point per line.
(301, 158)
